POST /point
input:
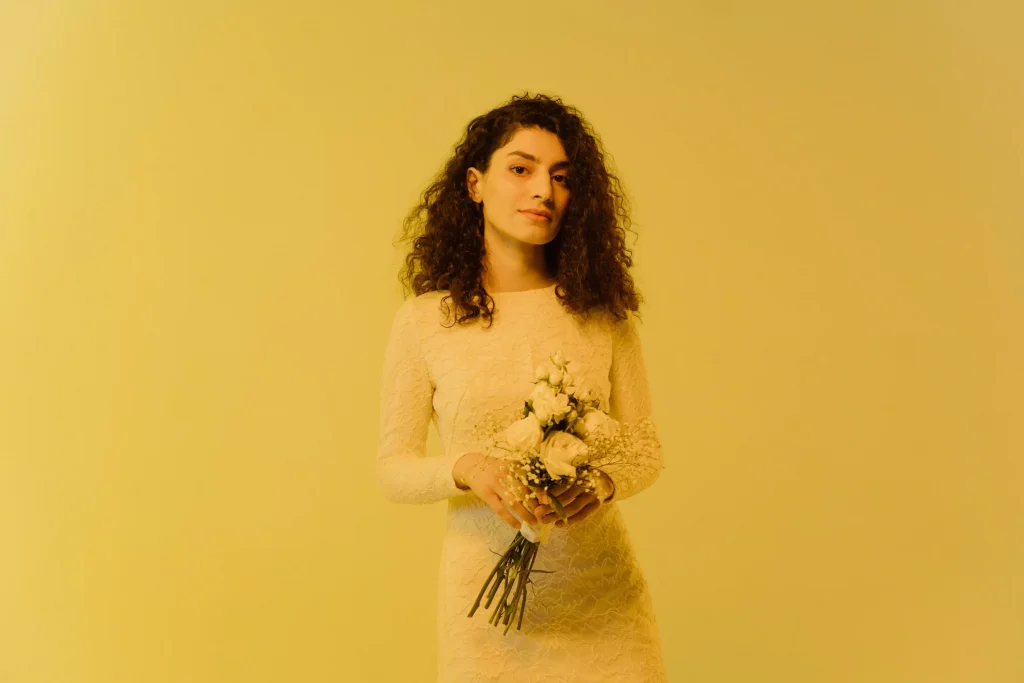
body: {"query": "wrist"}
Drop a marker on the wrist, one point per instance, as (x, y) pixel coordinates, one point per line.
(462, 467)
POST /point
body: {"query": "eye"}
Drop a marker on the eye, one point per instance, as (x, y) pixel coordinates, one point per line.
(560, 177)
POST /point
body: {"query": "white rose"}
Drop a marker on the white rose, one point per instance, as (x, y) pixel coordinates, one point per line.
(542, 399)
(558, 452)
(525, 433)
(541, 373)
(596, 423)
(571, 389)
(547, 403)
(560, 406)
(568, 378)
(555, 376)
(558, 359)
(542, 392)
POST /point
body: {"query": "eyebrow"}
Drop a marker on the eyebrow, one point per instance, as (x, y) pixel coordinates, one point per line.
(554, 167)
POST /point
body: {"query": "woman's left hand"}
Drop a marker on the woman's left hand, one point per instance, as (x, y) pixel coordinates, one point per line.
(578, 502)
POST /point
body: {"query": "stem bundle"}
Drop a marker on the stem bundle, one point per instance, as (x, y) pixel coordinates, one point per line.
(513, 569)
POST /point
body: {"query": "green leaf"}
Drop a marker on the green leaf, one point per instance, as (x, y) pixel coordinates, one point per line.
(557, 507)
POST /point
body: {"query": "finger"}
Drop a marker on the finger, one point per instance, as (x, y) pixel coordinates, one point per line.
(546, 515)
(515, 504)
(495, 502)
(579, 503)
(522, 513)
(537, 496)
(569, 496)
(587, 510)
(567, 484)
(559, 489)
(556, 491)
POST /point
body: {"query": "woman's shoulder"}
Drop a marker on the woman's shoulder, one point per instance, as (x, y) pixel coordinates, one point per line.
(616, 326)
(605, 317)
(415, 309)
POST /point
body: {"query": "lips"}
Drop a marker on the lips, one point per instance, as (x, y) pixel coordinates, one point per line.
(538, 214)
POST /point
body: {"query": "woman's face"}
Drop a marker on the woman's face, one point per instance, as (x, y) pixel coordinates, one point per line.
(529, 174)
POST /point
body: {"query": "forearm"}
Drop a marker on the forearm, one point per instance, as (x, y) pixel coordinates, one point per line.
(405, 473)
(406, 478)
(640, 463)
(639, 466)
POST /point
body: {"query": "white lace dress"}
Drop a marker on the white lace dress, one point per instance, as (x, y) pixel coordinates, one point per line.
(590, 620)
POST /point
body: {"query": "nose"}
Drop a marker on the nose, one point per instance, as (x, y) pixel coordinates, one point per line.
(542, 188)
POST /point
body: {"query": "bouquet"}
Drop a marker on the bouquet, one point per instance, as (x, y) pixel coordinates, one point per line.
(561, 436)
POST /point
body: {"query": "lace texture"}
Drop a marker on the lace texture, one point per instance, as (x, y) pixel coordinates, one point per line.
(591, 620)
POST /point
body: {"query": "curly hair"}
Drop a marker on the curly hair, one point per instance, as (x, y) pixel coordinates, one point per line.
(589, 256)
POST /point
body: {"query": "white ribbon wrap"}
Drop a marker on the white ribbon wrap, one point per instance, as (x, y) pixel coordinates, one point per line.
(539, 534)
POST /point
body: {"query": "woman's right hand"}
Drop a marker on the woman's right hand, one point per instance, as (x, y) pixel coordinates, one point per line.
(493, 480)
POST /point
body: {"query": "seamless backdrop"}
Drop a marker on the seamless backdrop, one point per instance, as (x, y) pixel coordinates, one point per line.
(197, 207)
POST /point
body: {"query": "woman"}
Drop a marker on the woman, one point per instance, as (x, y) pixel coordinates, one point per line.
(518, 251)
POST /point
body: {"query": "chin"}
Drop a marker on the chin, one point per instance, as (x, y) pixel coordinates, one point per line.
(539, 240)
(538, 236)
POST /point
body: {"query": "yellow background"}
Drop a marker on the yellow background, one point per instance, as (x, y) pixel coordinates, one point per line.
(197, 206)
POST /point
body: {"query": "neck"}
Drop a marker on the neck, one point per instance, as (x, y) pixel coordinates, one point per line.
(514, 267)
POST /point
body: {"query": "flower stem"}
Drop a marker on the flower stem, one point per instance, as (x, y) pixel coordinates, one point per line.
(522, 608)
(500, 607)
(513, 570)
(520, 594)
(499, 571)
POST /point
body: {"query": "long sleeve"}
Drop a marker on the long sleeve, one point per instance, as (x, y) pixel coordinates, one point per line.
(405, 473)
(630, 404)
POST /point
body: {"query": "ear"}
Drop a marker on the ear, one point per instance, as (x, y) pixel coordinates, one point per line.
(473, 179)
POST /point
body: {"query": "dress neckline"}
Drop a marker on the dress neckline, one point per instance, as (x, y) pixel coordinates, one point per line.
(524, 292)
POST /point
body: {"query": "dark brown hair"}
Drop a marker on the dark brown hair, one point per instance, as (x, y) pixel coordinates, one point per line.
(589, 256)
